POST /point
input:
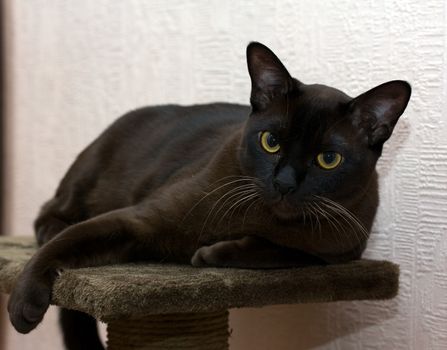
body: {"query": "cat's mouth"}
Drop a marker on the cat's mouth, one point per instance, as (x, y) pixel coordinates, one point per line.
(284, 210)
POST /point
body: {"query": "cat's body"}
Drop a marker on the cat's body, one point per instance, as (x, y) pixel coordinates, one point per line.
(290, 181)
(137, 161)
(149, 157)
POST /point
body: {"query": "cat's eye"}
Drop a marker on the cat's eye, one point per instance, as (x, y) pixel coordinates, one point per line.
(269, 142)
(329, 160)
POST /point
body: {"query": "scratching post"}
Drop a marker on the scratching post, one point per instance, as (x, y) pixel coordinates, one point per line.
(189, 331)
(168, 306)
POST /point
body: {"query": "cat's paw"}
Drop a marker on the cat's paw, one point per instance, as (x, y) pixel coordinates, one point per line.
(219, 254)
(200, 257)
(28, 303)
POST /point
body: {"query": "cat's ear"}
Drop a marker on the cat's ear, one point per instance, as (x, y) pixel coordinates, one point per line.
(269, 77)
(377, 111)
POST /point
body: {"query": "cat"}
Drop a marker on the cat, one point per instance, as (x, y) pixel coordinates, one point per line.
(287, 181)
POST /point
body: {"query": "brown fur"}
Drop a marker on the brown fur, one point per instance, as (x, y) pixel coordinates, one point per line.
(162, 184)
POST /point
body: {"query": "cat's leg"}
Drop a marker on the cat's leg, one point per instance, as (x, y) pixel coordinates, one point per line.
(52, 219)
(114, 237)
(251, 252)
(79, 329)
(48, 229)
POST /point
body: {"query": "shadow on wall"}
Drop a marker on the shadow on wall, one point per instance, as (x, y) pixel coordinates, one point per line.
(305, 327)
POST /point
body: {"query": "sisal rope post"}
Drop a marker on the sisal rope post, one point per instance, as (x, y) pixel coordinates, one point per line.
(182, 331)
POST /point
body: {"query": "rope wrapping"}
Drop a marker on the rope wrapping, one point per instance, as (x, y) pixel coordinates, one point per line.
(184, 331)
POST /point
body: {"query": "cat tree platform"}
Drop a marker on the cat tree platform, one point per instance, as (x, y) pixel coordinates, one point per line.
(163, 306)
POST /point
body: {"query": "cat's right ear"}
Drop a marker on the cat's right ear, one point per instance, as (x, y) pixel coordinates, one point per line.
(377, 111)
(269, 77)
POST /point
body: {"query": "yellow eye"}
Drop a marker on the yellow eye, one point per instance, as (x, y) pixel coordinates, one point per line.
(269, 142)
(329, 160)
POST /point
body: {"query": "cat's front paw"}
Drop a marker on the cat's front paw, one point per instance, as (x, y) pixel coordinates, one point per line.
(219, 254)
(200, 257)
(28, 303)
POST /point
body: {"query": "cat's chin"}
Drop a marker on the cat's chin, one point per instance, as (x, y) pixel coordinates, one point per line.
(287, 217)
(285, 211)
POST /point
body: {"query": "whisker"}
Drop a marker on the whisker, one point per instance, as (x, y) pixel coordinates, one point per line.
(213, 191)
(237, 203)
(216, 203)
(341, 214)
(327, 216)
(332, 221)
(310, 220)
(317, 219)
(355, 224)
(231, 193)
(256, 200)
(234, 197)
(361, 227)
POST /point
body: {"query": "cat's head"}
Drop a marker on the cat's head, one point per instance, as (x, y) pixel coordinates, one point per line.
(303, 141)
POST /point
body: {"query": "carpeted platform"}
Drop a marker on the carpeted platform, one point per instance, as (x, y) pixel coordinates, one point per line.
(120, 291)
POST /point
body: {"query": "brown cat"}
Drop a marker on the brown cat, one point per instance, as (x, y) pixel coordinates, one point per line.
(289, 182)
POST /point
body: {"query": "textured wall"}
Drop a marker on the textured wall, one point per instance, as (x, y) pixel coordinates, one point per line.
(75, 66)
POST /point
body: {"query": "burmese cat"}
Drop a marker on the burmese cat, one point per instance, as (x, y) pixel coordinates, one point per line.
(290, 181)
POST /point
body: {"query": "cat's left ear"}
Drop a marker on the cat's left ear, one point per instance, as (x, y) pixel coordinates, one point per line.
(378, 110)
(269, 77)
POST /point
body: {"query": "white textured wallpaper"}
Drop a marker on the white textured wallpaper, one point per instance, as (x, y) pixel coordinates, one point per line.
(77, 65)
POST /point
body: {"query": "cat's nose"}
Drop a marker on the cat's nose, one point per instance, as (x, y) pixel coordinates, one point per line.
(284, 182)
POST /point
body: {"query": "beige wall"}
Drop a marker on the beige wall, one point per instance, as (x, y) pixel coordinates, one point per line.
(76, 65)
